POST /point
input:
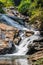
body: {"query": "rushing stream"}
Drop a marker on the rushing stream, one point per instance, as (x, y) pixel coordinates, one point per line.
(22, 48)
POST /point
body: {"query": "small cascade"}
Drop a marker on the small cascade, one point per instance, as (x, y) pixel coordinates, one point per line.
(13, 23)
(22, 48)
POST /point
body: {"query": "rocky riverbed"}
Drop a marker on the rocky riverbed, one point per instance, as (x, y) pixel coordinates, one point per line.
(19, 40)
(9, 36)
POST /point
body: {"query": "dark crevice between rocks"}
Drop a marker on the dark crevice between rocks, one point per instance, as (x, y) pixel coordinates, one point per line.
(41, 33)
(32, 51)
(7, 50)
(38, 46)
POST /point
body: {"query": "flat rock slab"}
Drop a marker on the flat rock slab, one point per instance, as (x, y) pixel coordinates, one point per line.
(7, 34)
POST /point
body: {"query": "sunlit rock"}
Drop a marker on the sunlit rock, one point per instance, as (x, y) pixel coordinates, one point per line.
(17, 40)
(7, 34)
(29, 33)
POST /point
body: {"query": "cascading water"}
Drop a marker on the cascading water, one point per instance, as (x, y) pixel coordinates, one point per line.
(13, 23)
(23, 62)
(22, 48)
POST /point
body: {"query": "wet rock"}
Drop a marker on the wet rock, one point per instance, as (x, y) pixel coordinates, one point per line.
(39, 40)
(3, 44)
(37, 55)
(7, 34)
(17, 40)
(41, 25)
(16, 33)
(37, 45)
(8, 31)
(5, 47)
(29, 33)
(27, 19)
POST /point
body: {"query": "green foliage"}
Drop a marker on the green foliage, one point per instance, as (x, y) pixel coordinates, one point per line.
(29, 6)
(39, 62)
(24, 6)
(37, 19)
(7, 3)
(1, 6)
(37, 15)
(32, 8)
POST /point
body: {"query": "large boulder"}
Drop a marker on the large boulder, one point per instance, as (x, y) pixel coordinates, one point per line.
(7, 34)
(8, 31)
(17, 40)
(6, 47)
(29, 33)
(36, 56)
(37, 45)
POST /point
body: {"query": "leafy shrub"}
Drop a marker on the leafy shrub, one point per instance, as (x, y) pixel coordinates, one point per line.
(37, 19)
(7, 3)
(29, 6)
(23, 7)
(1, 6)
(37, 15)
(32, 8)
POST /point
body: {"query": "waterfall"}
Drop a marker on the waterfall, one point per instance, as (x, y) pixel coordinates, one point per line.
(22, 49)
(24, 44)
